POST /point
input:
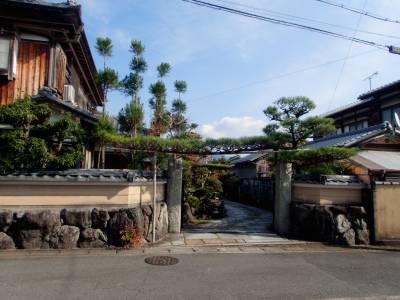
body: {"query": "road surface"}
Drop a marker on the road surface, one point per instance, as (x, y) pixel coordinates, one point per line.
(317, 275)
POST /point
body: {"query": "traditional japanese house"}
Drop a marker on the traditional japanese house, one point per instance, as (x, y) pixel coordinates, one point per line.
(372, 108)
(45, 54)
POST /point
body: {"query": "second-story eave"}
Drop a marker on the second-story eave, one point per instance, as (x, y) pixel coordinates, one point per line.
(46, 96)
(386, 89)
(358, 105)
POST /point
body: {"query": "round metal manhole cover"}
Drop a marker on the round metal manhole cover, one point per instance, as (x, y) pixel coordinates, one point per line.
(161, 260)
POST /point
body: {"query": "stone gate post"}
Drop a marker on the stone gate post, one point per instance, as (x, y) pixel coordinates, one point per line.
(283, 197)
(174, 194)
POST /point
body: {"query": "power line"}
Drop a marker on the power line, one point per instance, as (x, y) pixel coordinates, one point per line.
(284, 23)
(344, 62)
(282, 75)
(359, 11)
(292, 17)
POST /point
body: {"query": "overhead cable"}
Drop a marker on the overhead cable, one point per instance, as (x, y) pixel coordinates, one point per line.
(284, 23)
(359, 11)
(293, 17)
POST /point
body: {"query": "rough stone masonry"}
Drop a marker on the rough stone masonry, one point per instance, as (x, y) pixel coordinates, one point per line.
(67, 228)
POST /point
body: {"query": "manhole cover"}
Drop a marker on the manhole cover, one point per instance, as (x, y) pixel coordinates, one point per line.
(161, 260)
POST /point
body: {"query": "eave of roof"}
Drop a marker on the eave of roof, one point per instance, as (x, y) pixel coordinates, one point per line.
(349, 107)
(377, 161)
(349, 139)
(387, 88)
(45, 95)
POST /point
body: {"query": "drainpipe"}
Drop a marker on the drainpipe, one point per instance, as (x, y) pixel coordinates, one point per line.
(154, 195)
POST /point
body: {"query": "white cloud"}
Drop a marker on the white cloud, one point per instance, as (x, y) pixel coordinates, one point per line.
(232, 127)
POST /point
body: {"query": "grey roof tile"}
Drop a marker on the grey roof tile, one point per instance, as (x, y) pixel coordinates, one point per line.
(350, 138)
(80, 175)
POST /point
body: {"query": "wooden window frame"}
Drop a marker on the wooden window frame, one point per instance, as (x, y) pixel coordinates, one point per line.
(10, 71)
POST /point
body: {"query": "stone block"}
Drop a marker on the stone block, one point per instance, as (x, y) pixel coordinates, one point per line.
(30, 239)
(92, 238)
(6, 242)
(77, 218)
(65, 237)
(6, 219)
(45, 220)
(100, 218)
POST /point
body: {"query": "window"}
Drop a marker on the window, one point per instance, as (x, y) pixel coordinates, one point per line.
(8, 57)
(338, 130)
(5, 45)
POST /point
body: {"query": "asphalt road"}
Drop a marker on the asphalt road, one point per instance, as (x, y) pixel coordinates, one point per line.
(324, 275)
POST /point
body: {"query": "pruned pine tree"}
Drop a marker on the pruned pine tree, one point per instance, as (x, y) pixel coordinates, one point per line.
(288, 126)
(161, 118)
(131, 117)
(179, 124)
(106, 78)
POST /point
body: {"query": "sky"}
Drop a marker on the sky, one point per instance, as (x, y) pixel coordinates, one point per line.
(235, 67)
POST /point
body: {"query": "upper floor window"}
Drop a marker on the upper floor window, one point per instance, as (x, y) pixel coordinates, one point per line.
(8, 56)
(5, 47)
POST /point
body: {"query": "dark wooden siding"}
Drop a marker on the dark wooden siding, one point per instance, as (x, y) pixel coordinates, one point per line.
(32, 72)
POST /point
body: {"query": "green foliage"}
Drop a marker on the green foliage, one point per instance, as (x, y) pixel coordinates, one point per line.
(137, 48)
(163, 69)
(201, 184)
(24, 114)
(315, 156)
(288, 128)
(102, 130)
(104, 46)
(107, 79)
(326, 168)
(180, 86)
(131, 118)
(327, 161)
(35, 142)
(131, 84)
(189, 146)
(160, 119)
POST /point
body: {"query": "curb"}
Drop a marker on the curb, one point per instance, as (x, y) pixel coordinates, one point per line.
(377, 248)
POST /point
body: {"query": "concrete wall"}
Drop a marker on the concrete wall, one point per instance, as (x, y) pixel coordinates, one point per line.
(326, 195)
(77, 194)
(386, 206)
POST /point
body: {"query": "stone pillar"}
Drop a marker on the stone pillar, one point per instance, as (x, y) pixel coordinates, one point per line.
(174, 194)
(283, 197)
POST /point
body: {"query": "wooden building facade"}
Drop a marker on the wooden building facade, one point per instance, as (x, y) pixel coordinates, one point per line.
(43, 45)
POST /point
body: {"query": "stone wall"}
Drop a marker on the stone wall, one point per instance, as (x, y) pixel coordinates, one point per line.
(67, 228)
(332, 224)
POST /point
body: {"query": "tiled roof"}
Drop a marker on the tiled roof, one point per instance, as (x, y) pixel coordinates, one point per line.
(46, 94)
(79, 175)
(248, 158)
(46, 3)
(349, 139)
(371, 93)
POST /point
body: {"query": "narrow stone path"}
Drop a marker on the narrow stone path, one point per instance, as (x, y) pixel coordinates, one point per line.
(243, 225)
